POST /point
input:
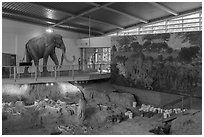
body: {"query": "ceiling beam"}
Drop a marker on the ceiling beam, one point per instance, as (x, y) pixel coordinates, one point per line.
(82, 29)
(82, 17)
(17, 15)
(48, 21)
(102, 22)
(127, 15)
(120, 12)
(81, 14)
(164, 8)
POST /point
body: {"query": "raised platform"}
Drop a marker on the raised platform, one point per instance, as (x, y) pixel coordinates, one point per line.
(16, 74)
(29, 78)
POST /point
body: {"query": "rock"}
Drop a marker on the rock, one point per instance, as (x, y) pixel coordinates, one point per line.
(122, 99)
(187, 125)
(19, 106)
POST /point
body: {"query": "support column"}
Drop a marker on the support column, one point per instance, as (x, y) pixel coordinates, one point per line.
(14, 73)
(55, 71)
(10, 72)
(200, 24)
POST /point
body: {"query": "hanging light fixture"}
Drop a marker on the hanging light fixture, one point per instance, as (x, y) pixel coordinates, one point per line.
(89, 31)
(49, 30)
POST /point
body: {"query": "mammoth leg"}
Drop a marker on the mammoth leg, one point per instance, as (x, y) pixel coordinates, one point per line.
(48, 51)
(28, 59)
(34, 56)
(45, 64)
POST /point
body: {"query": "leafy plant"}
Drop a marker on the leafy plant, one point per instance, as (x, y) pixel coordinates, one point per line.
(150, 37)
(194, 37)
(114, 49)
(186, 54)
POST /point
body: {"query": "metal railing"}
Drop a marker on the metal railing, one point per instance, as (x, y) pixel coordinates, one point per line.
(35, 72)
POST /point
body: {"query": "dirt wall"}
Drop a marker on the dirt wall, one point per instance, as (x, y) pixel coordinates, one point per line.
(149, 97)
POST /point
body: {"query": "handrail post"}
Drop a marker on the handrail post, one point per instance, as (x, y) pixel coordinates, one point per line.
(55, 71)
(10, 72)
(108, 65)
(31, 74)
(36, 72)
(73, 71)
(100, 68)
(109, 68)
(14, 73)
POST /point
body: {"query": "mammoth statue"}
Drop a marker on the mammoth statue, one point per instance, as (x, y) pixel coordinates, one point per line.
(44, 46)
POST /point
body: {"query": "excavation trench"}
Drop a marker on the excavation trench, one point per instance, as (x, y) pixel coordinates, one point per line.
(56, 108)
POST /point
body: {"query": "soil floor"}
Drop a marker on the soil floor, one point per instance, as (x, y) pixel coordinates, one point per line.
(136, 126)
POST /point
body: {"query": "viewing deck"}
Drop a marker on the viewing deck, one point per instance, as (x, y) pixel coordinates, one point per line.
(16, 74)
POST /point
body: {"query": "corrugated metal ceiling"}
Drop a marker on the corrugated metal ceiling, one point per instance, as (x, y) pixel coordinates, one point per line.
(105, 17)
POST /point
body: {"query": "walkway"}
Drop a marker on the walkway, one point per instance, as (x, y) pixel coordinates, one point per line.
(11, 74)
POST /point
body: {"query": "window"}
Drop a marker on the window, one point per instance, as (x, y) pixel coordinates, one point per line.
(190, 22)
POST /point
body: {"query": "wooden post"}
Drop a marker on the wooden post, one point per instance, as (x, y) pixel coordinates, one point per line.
(182, 102)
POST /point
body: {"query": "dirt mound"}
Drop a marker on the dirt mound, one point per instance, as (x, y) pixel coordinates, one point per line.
(98, 97)
(88, 93)
(13, 92)
(187, 125)
(101, 98)
(32, 92)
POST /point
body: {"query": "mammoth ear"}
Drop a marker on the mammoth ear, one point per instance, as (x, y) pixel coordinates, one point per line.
(49, 39)
(58, 38)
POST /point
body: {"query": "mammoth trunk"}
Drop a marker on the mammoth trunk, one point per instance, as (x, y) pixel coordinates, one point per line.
(65, 57)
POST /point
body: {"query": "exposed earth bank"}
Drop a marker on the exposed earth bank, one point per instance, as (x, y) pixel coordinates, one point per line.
(105, 112)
